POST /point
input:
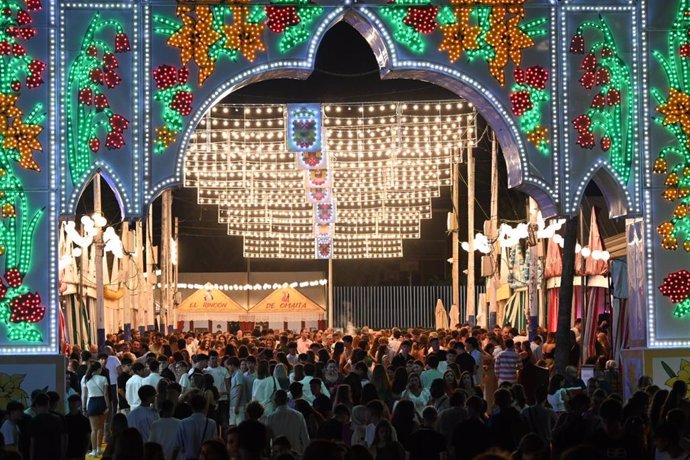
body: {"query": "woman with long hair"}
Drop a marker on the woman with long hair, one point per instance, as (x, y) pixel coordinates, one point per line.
(280, 374)
(451, 380)
(384, 447)
(343, 395)
(674, 399)
(549, 347)
(399, 383)
(369, 394)
(282, 359)
(416, 393)
(311, 417)
(211, 394)
(379, 378)
(117, 426)
(264, 387)
(655, 407)
(404, 420)
(95, 397)
(129, 446)
(338, 354)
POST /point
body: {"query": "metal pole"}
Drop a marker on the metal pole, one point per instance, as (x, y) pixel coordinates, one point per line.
(330, 293)
(149, 307)
(455, 269)
(471, 307)
(176, 272)
(495, 251)
(98, 241)
(125, 270)
(533, 286)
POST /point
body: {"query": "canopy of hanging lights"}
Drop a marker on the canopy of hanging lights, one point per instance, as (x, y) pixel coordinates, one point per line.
(345, 181)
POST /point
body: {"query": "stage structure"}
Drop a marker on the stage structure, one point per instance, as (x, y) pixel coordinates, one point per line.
(576, 91)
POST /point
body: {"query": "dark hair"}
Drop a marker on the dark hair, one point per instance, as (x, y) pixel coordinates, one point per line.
(93, 369)
(217, 449)
(138, 367)
(403, 418)
(198, 403)
(611, 410)
(146, 391)
(280, 397)
(252, 436)
(129, 445)
(153, 451)
(126, 362)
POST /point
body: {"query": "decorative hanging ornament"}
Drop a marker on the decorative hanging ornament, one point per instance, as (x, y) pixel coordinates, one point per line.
(112, 79)
(613, 97)
(114, 140)
(110, 61)
(122, 43)
(165, 76)
(577, 44)
(13, 277)
(33, 5)
(676, 286)
(100, 101)
(182, 102)
(599, 101)
(118, 123)
(605, 143)
(582, 122)
(521, 102)
(85, 96)
(94, 144)
(586, 140)
(589, 62)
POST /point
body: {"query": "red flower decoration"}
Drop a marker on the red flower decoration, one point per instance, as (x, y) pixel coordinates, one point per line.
(605, 143)
(114, 140)
(281, 17)
(586, 140)
(85, 96)
(112, 79)
(96, 76)
(18, 50)
(92, 51)
(94, 144)
(603, 76)
(23, 18)
(122, 43)
(588, 79)
(182, 102)
(165, 76)
(3, 290)
(613, 97)
(13, 277)
(589, 62)
(33, 5)
(100, 101)
(519, 76)
(599, 101)
(27, 307)
(16, 85)
(582, 122)
(110, 61)
(422, 19)
(521, 102)
(685, 50)
(118, 123)
(676, 286)
(606, 52)
(536, 77)
(577, 44)
(5, 48)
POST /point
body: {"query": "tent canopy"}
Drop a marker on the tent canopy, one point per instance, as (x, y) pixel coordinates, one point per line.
(209, 301)
(286, 300)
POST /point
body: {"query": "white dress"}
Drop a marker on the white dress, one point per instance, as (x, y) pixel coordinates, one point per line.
(420, 402)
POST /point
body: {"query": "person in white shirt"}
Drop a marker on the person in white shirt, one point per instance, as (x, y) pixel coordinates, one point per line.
(264, 387)
(143, 416)
(287, 422)
(191, 344)
(164, 430)
(236, 407)
(112, 364)
(292, 355)
(307, 394)
(154, 377)
(95, 397)
(221, 380)
(9, 429)
(194, 430)
(135, 382)
(303, 343)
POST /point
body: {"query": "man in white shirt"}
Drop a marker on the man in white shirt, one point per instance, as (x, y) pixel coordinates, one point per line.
(236, 400)
(9, 429)
(143, 416)
(154, 377)
(303, 343)
(394, 344)
(135, 382)
(194, 430)
(292, 355)
(191, 344)
(164, 430)
(288, 422)
(221, 380)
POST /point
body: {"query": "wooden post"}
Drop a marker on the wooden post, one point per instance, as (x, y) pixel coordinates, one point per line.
(496, 248)
(565, 297)
(455, 237)
(98, 242)
(330, 293)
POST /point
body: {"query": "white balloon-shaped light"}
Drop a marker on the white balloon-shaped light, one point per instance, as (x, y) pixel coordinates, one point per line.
(586, 252)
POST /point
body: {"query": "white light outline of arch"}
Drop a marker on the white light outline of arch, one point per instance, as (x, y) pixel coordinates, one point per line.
(308, 64)
(599, 165)
(120, 192)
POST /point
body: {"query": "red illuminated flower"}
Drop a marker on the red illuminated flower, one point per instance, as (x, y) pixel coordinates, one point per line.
(521, 102)
(23, 18)
(96, 76)
(281, 17)
(27, 307)
(14, 277)
(422, 18)
(182, 102)
(85, 96)
(114, 140)
(588, 79)
(589, 62)
(118, 123)
(112, 79)
(33, 5)
(121, 43)
(110, 61)
(685, 50)
(582, 122)
(165, 76)
(94, 144)
(599, 101)
(577, 44)
(603, 76)
(605, 143)
(100, 101)
(586, 140)
(676, 286)
(613, 97)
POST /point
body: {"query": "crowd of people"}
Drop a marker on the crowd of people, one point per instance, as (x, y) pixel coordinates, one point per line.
(466, 393)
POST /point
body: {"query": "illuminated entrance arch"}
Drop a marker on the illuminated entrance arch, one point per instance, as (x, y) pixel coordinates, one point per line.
(119, 86)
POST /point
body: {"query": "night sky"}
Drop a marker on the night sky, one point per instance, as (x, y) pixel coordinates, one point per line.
(346, 71)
